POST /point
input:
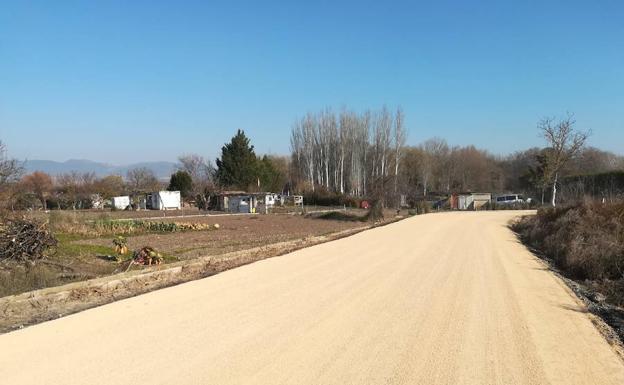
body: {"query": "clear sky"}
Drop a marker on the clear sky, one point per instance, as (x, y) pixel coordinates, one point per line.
(125, 81)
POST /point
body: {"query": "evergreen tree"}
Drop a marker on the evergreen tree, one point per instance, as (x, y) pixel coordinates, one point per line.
(238, 164)
(272, 178)
(181, 181)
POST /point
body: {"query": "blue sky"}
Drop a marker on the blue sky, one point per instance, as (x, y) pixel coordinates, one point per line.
(125, 81)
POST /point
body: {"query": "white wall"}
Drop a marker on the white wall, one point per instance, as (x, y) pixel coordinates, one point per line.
(166, 200)
(121, 202)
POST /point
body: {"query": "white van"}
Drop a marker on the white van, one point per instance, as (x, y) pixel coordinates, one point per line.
(509, 199)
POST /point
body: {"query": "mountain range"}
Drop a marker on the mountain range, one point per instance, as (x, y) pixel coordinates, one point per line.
(162, 170)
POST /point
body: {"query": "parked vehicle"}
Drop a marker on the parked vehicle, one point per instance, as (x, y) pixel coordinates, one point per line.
(509, 199)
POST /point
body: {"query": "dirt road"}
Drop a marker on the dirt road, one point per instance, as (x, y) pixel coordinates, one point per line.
(438, 299)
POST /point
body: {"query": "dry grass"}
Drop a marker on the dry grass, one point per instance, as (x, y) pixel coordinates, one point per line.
(17, 278)
(584, 241)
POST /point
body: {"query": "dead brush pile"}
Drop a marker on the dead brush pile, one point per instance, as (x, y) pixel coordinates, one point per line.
(24, 245)
(24, 241)
(585, 242)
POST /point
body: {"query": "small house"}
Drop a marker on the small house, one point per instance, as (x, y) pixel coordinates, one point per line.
(164, 200)
(120, 202)
(221, 201)
(244, 204)
(239, 201)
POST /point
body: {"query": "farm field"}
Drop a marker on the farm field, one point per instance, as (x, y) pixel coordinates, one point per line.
(86, 248)
(235, 233)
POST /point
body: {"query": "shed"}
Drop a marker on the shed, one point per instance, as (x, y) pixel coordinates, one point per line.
(242, 204)
(164, 200)
(473, 201)
(121, 202)
(222, 200)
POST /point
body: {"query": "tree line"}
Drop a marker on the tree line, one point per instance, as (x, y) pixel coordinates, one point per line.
(348, 153)
(195, 177)
(365, 155)
(362, 155)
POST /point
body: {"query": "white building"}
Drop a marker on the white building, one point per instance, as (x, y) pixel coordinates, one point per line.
(121, 202)
(164, 200)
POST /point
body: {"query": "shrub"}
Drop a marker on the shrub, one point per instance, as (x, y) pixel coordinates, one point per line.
(423, 207)
(341, 216)
(325, 198)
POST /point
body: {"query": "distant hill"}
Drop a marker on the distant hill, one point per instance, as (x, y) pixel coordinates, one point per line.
(162, 170)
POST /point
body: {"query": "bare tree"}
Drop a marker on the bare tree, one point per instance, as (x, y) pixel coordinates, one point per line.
(109, 186)
(142, 180)
(400, 136)
(10, 172)
(40, 184)
(75, 188)
(10, 169)
(202, 173)
(564, 144)
(432, 167)
(339, 154)
(200, 169)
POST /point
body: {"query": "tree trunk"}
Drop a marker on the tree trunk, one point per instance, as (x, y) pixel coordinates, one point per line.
(554, 190)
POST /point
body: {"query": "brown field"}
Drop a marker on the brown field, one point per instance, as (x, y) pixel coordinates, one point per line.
(83, 255)
(235, 233)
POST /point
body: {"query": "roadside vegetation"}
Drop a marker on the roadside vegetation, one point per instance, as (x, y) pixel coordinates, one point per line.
(585, 243)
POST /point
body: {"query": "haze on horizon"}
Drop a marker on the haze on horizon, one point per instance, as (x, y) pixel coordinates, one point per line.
(120, 82)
